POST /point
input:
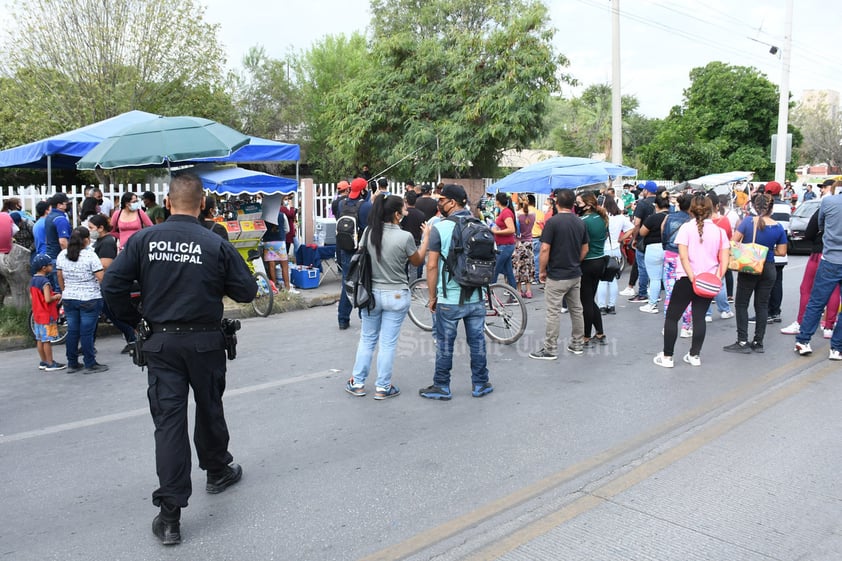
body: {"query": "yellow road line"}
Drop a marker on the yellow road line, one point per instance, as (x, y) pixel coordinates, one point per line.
(457, 525)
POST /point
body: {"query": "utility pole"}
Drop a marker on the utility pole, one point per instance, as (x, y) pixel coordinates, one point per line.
(616, 100)
(783, 103)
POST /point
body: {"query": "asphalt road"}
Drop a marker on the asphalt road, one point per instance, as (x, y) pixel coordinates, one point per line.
(603, 456)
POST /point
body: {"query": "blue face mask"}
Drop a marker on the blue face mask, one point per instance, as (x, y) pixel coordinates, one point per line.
(135, 206)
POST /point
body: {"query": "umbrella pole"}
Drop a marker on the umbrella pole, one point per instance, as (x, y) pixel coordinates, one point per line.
(49, 171)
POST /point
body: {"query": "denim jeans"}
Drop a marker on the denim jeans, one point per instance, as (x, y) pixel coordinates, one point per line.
(504, 264)
(536, 249)
(642, 276)
(828, 277)
(383, 324)
(721, 301)
(345, 305)
(447, 321)
(82, 317)
(654, 260)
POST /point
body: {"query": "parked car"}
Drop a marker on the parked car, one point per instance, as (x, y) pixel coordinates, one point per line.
(797, 226)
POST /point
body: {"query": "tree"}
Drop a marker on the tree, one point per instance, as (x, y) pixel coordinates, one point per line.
(320, 76)
(724, 123)
(821, 126)
(452, 83)
(264, 98)
(75, 62)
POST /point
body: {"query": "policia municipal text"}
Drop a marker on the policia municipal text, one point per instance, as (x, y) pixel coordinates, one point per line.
(183, 270)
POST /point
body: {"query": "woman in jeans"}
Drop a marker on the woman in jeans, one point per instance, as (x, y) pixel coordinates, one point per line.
(619, 228)
(79, 274)
(702, 248)
(669, 231)
(653, 250)
(390, 248)
(596, 223)
(504, 234)
(772, 235)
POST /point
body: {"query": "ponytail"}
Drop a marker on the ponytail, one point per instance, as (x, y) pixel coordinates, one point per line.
(701, 209)
(77, 242)
(382, 211)
(590, 200)
(763, 205)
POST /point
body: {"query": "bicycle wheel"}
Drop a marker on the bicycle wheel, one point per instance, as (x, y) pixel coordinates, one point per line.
(419, 307)
(262, 303)
(505, 314)
(62, 327)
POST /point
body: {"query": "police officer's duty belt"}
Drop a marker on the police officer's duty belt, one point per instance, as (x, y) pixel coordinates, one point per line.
(184, 327)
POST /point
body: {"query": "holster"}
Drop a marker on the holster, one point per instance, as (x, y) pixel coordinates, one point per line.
(142, 333)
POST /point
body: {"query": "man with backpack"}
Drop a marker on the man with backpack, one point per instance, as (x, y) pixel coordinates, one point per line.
(460, 261)
(351, 219)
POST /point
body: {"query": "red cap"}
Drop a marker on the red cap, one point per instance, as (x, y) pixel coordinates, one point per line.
(357, 186)
(773, 188)
(343, 186)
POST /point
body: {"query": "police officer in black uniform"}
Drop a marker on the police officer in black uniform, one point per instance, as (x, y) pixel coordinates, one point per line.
(183, 270)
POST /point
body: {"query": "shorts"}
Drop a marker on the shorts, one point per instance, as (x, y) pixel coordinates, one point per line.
(275, 251)
(41, 333)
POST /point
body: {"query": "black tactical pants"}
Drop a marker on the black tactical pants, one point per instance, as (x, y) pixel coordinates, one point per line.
(176, 363)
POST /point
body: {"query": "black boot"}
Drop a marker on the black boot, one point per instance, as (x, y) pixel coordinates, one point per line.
(218, 482)
(166, 526)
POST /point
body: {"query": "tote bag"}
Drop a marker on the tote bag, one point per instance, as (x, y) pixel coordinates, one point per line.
(748, 257)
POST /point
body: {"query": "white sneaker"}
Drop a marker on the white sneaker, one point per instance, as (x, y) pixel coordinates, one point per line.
(803, 348)
(665, 361)
(628, 291)
(791, 329)
(649, 309)
(708, 319)
(692, 360)
(828, 333)
(564, 310)
(686, 333)
(835, 355)
(727, 314)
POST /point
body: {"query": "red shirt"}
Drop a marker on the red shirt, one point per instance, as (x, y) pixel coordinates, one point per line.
(725, 224)
(506, 239)
(42, 312)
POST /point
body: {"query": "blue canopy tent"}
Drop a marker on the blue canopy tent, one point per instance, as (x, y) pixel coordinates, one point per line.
(561, 172)
(260, 150)
(64, 150)
(238, 181)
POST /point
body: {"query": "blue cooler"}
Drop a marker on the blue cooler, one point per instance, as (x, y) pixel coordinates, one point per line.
(304, 277)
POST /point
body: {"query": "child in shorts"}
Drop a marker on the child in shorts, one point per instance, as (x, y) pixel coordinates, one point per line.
(44, 311)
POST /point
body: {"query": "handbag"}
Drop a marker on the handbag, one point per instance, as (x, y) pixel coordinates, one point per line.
(358, 277)
(612, 267)
(748, 257)
(707, 285)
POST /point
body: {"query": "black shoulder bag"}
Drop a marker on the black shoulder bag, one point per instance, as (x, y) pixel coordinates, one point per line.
(358, 277)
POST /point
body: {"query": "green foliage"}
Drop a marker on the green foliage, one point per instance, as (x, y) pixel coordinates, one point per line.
(821, 126)
(264, 97)
(74, 62)
(320, 75)
(725, 123)
(450, 85)
(14, 322)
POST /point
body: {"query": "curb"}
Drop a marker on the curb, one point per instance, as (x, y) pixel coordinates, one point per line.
(232, 310)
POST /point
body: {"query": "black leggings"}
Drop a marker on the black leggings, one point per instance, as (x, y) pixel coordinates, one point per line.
(682, 294)
(591, 271)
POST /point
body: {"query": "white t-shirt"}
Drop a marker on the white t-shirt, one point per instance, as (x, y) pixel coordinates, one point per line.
(616, 226)
(79, 280)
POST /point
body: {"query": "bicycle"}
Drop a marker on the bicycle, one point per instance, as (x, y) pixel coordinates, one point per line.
(265, 297)
(505, 311)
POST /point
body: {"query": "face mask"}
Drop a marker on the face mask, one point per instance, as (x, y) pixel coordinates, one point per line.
(94, 235)
(135, 205)
(442, 211)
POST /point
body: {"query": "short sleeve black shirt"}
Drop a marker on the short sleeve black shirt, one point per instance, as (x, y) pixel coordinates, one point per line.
(566, 234)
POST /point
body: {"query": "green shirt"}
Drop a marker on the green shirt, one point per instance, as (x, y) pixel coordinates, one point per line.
(597, 232)
(156, 213)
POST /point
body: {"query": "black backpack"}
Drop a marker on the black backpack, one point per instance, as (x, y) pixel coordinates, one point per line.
(346, 224)
(471, 258)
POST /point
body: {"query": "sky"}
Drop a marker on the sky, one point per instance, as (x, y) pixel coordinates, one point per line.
(661, 40)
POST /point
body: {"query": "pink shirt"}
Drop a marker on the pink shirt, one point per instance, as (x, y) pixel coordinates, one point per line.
(6, 232)
(704, 255)
(124, 230)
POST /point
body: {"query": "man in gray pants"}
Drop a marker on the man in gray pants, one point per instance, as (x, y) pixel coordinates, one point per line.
(564, 243)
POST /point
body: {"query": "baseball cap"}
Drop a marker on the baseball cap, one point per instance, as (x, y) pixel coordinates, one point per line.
(455, 192)
(343, 186)
(357, 186)
(827, 183)
(773, 188)
(38, 262)
(426, 188)
(651, 186)
(58, 199)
